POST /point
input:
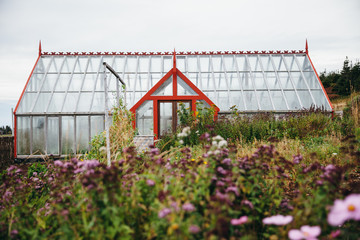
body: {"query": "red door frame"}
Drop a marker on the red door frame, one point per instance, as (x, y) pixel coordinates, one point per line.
(174, 72)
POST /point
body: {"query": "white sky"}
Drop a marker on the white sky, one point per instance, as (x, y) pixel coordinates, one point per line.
(331, 27)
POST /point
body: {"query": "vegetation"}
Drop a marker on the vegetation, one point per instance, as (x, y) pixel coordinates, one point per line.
(342, 83)
(5, 130)
(240, 178)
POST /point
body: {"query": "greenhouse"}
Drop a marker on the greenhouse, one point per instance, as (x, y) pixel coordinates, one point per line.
(63, 103)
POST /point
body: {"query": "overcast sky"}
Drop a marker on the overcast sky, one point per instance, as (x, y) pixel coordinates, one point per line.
(331, 27)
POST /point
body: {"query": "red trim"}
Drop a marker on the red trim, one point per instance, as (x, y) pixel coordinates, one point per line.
(15, 125)
(332, 108)
(17, 105)
(148, 96)
(169, 53)
(156, 117)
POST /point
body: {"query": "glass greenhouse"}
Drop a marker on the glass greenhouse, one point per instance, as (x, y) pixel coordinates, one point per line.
(63, 103)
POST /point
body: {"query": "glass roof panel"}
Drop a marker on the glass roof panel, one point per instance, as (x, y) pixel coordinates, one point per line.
(247, 83)
(278, 100)
(234, 81)
(56, 102)
(49, 84)
(42, 102)
(26, 102)
(266, 63)
(35, 82)
(241, 63)
(237, 99)
(306, 99)
(285, 80)
(320, 99)
(272, 80)
(312, 80)
(264, 98)
(298, 80)
(254, 63)
(251, 101)
(70, 102)
(259, 80)
(279, 63)
(292, 100)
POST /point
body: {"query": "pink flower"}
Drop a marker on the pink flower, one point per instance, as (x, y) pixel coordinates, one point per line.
(239, 221)
(150, 182)
(194, 229)
(305, 232)
(188, 207)
(278, 220)
(164, 212)
(343, 210)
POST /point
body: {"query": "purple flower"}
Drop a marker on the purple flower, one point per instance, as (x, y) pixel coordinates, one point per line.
(221, 171)
(164, 212)
(344, 210)
(58, 163)
(239, 221)
(278, 220)
(233, 189)
(248, 203)
(150, 182)
(226, 161)
(175, 206)
(14, 233)
(297, 159)
(335, 234)
(305, 232)
(194, 229)
(188, 207)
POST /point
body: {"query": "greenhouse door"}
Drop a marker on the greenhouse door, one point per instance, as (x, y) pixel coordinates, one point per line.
(168, 115)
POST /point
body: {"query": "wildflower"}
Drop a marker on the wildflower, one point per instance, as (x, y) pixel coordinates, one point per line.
(192, 159)
(188, 207)
(335, 234)
(205, 162)
(233, 189)
(218, 138)
(343, 210)
(305, 232)
(222, 143)
(194, 229)
(175, 206)
(164, 212)
(278, 220)
(248, 203)
(334, 154)
(181, 141)
(14, 233)
(150, 182)
(221, 171)
(226, 161)
(297, 159)
(239, 221)
(58, 163)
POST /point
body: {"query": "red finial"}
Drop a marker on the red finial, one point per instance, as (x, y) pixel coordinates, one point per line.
(40, 48)
(174, 64)
(306, 47)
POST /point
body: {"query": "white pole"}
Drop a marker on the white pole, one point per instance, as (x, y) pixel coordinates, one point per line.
(107, 134)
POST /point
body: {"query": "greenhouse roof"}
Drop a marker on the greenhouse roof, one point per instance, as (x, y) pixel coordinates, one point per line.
(72, 83)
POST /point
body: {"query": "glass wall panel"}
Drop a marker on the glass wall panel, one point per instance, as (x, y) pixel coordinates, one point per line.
(84, 102)
(307, 65)
(321, 100)
(235, 82)
(298, 80)
(49, 82)
(207, 82)
(67, 135)
(216, 64)
(38, 135)
(312, 80)
(144, 118)
(223, 101)
(290, 62)
(254, 64)
(278, 100)
(301, 59)
(94, 65)
(53, 135)
(82, 134)
(266, 63)
(165, 115)
(251, 101)
(220, 81)
(165, 89)
(56, 102)
(236, 99)
(183, 88)
(192, 64)
(265, 102)
(229, 63)
(89, 82)
(241, 63)
(23, 135)
(98, 102)
(63, 82)
(292, 100)
(306, 99)
(204, 64)
(76, 82)
(259, 81)
(35, 82)
(272, 80)
(70, 102)
(285, 80)
(180, 63)
(42, 102)
(246, 81)
(26, 102)
(69, 64)
(97, 125)
(279, 63)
